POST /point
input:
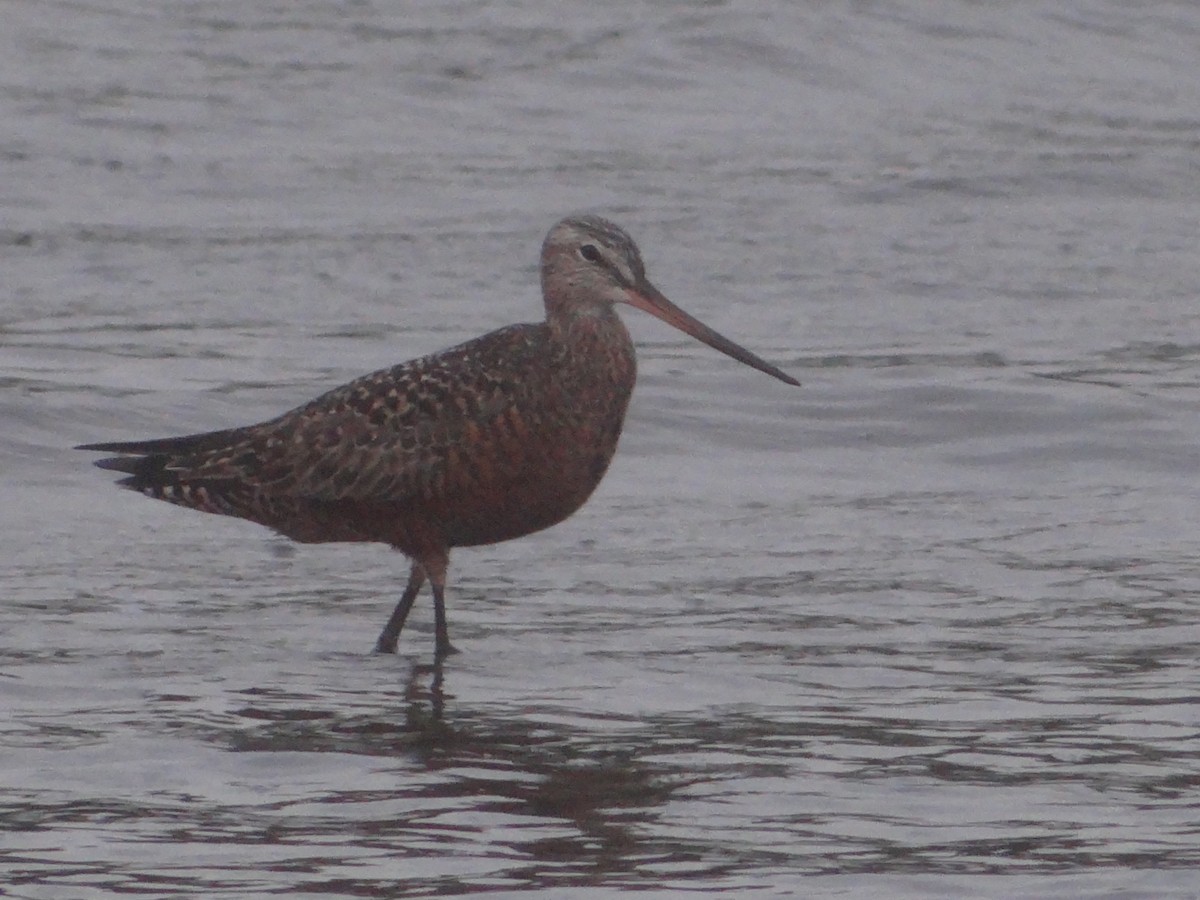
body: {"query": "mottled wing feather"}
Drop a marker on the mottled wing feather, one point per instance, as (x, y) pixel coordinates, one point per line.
(382, 438)
(388, 436)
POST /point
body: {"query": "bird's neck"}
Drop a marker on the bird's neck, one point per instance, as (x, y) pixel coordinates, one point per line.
(599, 322)
(588, 338)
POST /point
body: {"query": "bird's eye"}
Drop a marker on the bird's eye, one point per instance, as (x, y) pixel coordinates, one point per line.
(590, 253)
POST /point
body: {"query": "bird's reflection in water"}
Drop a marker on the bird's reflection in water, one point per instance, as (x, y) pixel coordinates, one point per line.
(426, 703)
(570, 804)
(540, 793)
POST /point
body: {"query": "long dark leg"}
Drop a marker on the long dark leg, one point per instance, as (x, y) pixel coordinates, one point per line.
(390, 635)
(437, 577)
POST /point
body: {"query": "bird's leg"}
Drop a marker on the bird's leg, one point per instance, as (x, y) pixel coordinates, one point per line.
(391, 631)
(437, 578)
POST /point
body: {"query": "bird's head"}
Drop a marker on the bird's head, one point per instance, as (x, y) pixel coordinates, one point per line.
(589, 265)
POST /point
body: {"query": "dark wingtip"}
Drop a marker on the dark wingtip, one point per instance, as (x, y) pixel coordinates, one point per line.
(128, 464)
(144, 471)
(145, 462)
(187, 443)
(116, 447)
(137, 466)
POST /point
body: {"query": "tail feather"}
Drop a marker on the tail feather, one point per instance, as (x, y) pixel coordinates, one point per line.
(130, 464)
(181, 471)
(149, 464)
(144, 471)
(161, 476)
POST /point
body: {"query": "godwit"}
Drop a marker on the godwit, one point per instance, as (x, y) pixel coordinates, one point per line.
(494, 439)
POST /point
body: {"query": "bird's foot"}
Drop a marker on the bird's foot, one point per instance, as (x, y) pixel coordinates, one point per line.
(385, 646)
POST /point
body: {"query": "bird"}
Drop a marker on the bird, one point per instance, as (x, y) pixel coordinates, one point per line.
(490, 440)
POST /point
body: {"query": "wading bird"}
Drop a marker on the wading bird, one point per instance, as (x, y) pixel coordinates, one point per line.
(491, 440)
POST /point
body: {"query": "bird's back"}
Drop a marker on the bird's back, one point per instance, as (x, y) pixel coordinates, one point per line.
(495, 438)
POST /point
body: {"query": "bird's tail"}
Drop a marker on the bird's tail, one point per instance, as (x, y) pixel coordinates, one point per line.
(160, 468)
(215, 473)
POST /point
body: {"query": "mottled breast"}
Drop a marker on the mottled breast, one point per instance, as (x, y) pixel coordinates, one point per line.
(540, 454)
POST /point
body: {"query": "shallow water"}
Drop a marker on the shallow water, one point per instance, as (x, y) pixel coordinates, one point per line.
(925, 627)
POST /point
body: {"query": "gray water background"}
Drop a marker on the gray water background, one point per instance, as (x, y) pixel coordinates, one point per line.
(924, 627)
